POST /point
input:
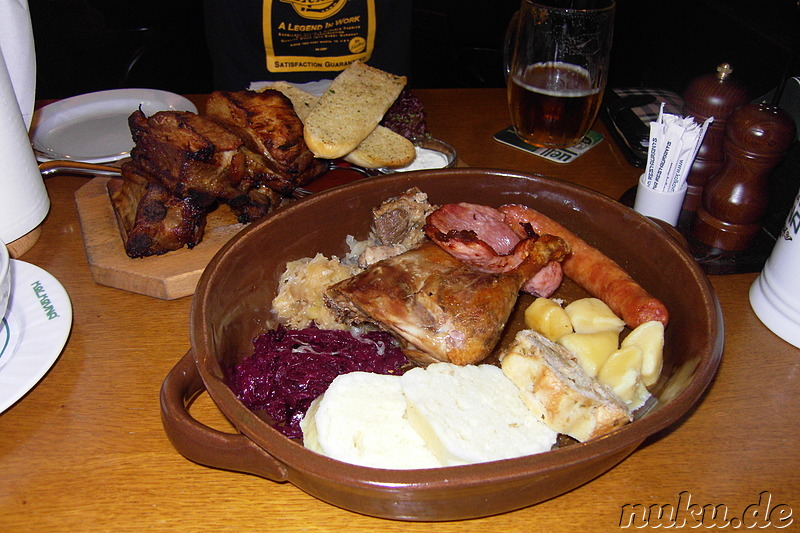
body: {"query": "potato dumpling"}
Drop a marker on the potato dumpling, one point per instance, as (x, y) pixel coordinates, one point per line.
(547, 317)
(622, 373)
(591, 349)
(649, 337)
(590, 315)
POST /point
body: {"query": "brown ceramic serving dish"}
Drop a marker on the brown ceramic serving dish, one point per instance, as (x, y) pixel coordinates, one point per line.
(232, 305)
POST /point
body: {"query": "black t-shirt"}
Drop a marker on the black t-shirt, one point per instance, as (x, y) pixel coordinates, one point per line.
(307, 40)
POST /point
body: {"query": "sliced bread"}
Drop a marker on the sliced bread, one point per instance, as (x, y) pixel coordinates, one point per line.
(381, 148)
(350, 109)
(303, 101)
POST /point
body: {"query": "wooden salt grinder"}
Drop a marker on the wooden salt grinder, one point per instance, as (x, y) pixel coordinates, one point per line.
(735, 199)
(711, 95)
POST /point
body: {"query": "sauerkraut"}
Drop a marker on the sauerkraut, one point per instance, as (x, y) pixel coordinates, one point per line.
(300, 301)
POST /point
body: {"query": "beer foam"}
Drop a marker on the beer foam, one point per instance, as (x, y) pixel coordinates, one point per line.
(556, 78)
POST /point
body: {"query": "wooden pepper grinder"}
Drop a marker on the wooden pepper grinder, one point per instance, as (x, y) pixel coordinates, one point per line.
(711, 95)
(735, 199)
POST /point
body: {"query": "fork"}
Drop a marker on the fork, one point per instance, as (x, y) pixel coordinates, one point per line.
(48, 168)
(76, 167)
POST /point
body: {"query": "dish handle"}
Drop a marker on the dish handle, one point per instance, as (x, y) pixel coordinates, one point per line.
(200, 443)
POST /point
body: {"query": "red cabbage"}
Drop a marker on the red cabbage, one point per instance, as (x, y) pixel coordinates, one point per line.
(289, 368)
(406, 116)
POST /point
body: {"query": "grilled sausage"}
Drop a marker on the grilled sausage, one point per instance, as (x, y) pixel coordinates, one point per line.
(594, 271)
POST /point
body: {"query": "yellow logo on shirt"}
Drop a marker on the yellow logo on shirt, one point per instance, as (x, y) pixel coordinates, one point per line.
(357, 45)
(316, 9)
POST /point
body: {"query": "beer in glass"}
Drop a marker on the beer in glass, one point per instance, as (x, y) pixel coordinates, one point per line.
(557, 69)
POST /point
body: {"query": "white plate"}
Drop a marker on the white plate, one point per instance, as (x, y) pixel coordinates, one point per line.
(93, 127)
(36, 325)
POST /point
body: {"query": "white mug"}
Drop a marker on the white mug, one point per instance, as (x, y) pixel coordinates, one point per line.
(775, 294)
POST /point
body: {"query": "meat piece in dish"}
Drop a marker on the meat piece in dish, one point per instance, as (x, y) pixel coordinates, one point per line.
(272, 132)
(154, 221)
(480, 236)
(397, 226)
(545, 282)
(442, 309)
(399, 220)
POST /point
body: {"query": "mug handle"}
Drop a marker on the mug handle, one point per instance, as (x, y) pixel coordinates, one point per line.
(202, 444)
(511, 34)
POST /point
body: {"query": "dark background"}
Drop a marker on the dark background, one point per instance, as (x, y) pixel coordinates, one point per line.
(89, 45)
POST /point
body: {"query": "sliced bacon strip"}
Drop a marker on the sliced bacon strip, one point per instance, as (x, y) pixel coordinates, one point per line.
(487, 223)
(480, 237)
(597, 273)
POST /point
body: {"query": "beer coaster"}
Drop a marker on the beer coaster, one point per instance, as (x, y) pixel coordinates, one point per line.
(556, 155)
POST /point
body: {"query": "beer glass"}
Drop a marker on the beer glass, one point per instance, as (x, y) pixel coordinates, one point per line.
(557, 54)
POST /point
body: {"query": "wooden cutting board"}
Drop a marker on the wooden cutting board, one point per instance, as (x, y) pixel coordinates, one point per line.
(174, 274)
(169, 276)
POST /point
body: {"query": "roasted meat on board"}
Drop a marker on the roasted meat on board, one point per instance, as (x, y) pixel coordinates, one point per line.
(271, 130)
(155, 221)
(247, 152)
(192, 156)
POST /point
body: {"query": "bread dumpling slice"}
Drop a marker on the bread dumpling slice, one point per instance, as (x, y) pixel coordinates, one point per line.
(471, 414)
(558, 390)
(360, 419)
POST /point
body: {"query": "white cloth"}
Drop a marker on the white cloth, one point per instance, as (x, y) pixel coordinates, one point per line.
(314, 87)
(23, 198)
(16, 45)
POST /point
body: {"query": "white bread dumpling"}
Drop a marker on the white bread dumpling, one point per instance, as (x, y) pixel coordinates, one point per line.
(471, 414)
(441, 415)
(361, 419)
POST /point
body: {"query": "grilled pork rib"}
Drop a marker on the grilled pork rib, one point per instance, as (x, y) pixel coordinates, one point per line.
(247, 153)
(190, 155)
(271, 131)
(155, 221)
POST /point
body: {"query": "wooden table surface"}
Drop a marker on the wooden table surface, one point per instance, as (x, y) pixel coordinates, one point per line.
(85, 449)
